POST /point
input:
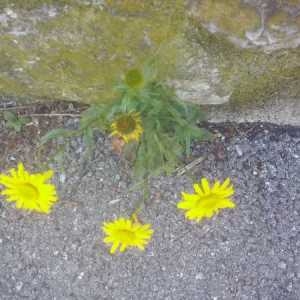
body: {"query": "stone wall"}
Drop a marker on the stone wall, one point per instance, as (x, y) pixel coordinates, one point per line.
(212, 51)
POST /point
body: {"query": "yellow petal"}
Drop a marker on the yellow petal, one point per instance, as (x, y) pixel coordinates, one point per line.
(114, 247)
(197, 189)
(226, 183)
(141, 247)
(48, 175)
(6, 180)
(185, 204)
(205, 185)
(216, 185)
(226, 203)
(123, 247)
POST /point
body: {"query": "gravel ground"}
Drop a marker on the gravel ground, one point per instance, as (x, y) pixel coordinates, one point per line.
(252, 252)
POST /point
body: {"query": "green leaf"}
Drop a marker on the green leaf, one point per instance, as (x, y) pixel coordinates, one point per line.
(14, 121)
(10, 116)
(88, 139)
(94, 116)
(56, 133)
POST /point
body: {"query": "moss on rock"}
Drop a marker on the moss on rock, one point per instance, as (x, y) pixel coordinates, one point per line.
(33, 4)
(79, 54)
(252, 76)
(229, 16)
(278, 18)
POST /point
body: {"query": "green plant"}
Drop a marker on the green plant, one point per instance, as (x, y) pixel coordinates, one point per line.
(15, 122)
(169, 125)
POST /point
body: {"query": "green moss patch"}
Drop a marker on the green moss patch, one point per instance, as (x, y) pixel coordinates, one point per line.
(80, 54)
(229, 16)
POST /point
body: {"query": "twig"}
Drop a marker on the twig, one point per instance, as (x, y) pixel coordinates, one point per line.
(16, 107)
(112, 202)
(188, 167)
(53, 115)
(178, 172)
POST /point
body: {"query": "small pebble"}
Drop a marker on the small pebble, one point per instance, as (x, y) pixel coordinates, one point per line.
(239, 150)
(19, 286)
(62, 178)
(10, 13)
(80, 276)
(282, 265)
(199, 276)
(290, 287)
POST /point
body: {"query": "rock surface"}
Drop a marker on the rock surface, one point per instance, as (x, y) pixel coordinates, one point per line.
(212, 51)
(277, 111)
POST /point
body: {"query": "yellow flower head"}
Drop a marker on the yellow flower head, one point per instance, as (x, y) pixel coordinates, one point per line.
(29, 191)
(207, 200)
(126, 233)
(128, 127)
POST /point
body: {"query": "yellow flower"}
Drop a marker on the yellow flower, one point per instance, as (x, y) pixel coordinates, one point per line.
(126, 233)
(207, 200)
(128, 127)
(29, 191)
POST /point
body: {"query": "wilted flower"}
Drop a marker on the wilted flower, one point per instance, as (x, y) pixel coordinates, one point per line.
(127, 126)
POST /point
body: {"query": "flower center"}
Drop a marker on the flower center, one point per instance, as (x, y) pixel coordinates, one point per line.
(126, 124)
(28, 191)
(126, 236)
(208, 201)
(134, 78)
